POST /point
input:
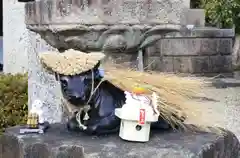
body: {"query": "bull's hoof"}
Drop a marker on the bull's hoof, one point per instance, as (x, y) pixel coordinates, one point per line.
(72, 125)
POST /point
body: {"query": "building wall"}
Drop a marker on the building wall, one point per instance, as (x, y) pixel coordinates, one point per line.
(192, 55)
(15, 39)
(202, 51)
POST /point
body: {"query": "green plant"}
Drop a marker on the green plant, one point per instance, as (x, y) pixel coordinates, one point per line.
(237, 68)
(13, 100)
(222, 13)
(195, 3)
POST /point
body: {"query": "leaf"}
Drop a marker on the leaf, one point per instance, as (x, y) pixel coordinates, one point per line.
(13, 100)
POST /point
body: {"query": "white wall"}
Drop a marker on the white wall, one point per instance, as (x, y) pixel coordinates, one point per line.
(15, 38)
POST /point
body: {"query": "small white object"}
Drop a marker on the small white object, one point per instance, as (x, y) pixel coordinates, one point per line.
(190, 27)
(37, 108)
(136, 117)
(26, 130)
(155, 103)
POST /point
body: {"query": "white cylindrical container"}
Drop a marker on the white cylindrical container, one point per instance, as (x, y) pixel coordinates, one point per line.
(136, 117)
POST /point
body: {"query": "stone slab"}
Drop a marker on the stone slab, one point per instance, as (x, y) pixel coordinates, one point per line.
(180, 46)
(59, 143)
(196, 17)
(201, 64)
(154, 50)
(236, 52)
(196, 46)
(126, 60)
(210, 32)
(153, 63)
(225, 46)
(167, 64)
(182, 64)
(107, 12)
(209, 46)
(162, 64)
(221, 63)
(237, 75)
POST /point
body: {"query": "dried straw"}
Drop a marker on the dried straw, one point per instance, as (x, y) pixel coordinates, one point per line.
(70, 62)
(173, 91)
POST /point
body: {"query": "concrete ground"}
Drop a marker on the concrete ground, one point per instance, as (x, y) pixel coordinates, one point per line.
(223, 104)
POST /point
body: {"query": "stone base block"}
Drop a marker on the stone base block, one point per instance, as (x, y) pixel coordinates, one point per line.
(237, 75)
(125, 60)
(57, 142)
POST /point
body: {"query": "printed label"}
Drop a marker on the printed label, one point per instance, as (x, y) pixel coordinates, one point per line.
(142, 116)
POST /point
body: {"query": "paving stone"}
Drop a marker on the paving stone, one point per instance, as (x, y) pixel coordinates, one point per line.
(221, 63)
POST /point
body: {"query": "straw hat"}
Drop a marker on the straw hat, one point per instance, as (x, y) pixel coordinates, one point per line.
(70, 62)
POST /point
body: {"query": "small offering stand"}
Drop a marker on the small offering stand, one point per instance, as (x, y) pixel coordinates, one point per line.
(36, 122)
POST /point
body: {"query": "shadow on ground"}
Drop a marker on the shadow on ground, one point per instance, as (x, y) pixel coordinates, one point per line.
(225, 83)
(205, 99)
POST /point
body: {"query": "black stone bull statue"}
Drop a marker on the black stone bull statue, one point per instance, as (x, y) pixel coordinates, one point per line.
(76, 90)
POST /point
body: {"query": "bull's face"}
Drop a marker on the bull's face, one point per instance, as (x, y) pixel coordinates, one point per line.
(77, 88)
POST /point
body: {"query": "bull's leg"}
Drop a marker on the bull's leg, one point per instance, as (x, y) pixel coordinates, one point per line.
(73, 122)
(106, 125)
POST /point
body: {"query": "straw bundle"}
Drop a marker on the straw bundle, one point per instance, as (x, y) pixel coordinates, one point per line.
(70, 62)
(173, 91)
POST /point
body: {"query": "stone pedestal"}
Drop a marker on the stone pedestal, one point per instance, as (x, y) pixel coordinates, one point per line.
(58, 143)
(41, 84)
(237, 75)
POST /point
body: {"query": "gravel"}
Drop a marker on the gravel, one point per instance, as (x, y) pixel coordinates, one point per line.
(223, 102)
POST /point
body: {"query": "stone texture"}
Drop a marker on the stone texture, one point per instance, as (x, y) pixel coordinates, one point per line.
(236, 53)
(41, 84)
(15, 39)
(180, 46)
(196, 17)
(210, 32)
(126, 60)
(182, 64)
(225, 46)
(59, 143)
(124, 38)
(209, 46)
(167, 64)
(221, 63)
(107, 12)
(154, 50)
(201, 64)
(153, 63)
(237, 75)
(162, 64)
